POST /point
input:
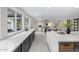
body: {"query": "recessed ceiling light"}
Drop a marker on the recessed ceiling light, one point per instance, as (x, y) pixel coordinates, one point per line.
(48, 7)
(76, 7)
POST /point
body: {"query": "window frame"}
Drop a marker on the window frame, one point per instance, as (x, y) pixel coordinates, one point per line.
(16, 31)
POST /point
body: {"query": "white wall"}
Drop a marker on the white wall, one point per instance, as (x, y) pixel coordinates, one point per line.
(0, 23)
(33, 23)
(3, 22)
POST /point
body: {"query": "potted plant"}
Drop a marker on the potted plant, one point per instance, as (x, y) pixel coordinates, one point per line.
(67, 24)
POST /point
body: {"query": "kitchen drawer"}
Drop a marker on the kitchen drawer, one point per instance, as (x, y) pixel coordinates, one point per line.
(66, 46)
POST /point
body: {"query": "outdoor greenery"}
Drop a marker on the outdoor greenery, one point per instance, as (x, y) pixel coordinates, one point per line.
(66, 25)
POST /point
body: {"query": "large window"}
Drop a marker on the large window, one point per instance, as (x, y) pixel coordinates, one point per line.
(14, 21)
(64, 24)
(11, 21)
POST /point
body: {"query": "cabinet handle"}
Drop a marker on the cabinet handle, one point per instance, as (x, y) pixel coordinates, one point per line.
(66, 45)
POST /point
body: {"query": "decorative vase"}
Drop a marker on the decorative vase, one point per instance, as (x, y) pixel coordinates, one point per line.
(68, 31)
(26, 29)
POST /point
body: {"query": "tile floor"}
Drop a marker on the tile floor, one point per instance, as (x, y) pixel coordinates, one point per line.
(39, 44)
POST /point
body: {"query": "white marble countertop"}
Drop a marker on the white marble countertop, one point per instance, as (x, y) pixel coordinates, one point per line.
(53, 39)
(10, 44)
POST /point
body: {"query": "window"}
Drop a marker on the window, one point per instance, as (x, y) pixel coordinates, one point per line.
(14, 21)
(11, 21)
(19, 21)
(72, 23)
(64, 24)
(25, 22)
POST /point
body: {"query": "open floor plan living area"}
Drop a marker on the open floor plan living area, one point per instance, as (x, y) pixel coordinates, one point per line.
(39, 29)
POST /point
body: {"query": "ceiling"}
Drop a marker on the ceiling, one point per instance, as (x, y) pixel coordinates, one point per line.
(53, 13)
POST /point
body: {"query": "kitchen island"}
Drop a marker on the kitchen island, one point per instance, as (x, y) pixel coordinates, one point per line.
(54, 40)
(18, 43)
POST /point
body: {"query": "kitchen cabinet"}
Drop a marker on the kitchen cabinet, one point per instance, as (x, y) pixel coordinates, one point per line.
(26, 44)
(18, 49)
(76, 49)
(66, 46)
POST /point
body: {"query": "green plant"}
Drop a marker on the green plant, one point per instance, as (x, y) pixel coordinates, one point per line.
(66, 24)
